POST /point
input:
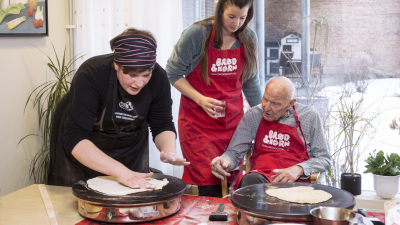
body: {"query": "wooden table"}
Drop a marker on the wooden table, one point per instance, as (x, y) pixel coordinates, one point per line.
(26, 206)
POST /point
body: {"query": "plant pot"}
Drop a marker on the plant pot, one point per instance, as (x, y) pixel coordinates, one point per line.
(351, 183)
(386, 186)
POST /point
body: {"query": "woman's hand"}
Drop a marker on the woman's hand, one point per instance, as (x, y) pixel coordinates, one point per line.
(211, 106)
(171, 158)
(136, 180)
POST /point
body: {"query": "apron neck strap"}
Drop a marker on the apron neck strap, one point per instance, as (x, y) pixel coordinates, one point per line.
(114, 79)
(296, 117)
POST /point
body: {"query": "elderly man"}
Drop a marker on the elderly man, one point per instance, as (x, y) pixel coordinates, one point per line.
(280, 127)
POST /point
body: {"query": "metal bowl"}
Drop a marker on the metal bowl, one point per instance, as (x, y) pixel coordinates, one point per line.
(332, 216)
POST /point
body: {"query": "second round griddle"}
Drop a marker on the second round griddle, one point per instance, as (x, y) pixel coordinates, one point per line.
(174, 188)
(254, 201)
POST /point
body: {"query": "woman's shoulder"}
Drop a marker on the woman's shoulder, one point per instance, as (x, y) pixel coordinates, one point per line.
(197, 31)
(159, 84)
(192, 39)
(96, 69)
(96, 64)
(158, 77)
(158, 71)
(250, 33)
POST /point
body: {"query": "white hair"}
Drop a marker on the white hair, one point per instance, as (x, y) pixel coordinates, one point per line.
(285, 83)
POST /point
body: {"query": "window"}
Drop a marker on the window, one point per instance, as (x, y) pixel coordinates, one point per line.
(355, 57)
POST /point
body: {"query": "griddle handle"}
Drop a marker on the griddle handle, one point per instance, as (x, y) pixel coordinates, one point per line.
(362, 212)
(220, 207)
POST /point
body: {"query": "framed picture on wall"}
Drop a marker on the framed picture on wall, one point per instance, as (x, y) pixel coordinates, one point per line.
(24, 18)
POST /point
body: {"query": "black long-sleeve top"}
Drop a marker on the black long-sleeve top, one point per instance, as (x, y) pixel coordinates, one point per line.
(89, 90)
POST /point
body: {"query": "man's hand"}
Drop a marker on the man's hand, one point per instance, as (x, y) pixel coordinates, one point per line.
(171, 158)
(135, 180)
(220, 167)
(290, 174)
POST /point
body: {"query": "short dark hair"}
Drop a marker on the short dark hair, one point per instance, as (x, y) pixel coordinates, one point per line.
(128, 32)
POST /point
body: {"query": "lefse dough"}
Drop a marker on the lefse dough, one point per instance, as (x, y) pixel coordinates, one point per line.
(110, 185)
(300, 194)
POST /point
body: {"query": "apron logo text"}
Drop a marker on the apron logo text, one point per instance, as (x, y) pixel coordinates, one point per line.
(277, 139)
(127, 106)
(125, 116)
(224, 65)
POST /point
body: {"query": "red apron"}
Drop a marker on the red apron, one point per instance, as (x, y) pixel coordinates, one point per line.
(203, 138)
(277, 146)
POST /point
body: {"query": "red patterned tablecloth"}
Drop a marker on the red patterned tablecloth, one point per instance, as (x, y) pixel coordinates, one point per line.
(378, 215)
(194, 210)
(197, 209)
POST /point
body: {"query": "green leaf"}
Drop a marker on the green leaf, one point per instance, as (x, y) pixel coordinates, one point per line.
(380, 158)
(384, 168)
(370, 170)
(383, 165)
(393, 171)
(12, 9)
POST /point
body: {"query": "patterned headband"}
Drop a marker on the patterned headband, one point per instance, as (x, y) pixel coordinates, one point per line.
(136, 51)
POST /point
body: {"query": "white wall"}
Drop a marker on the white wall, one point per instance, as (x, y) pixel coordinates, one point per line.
(22, 68)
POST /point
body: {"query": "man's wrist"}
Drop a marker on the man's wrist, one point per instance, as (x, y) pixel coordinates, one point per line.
(302, 171)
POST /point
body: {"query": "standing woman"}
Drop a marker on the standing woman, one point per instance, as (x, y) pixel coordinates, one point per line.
(213, 61)
(101, 125)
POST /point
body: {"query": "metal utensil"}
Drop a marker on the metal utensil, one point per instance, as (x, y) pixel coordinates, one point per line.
(332, 216)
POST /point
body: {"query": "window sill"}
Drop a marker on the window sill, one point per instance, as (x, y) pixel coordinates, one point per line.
(369, 200)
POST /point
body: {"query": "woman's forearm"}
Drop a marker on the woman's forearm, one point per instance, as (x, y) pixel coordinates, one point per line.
(187, 90)
(90, 156)
(166, 142)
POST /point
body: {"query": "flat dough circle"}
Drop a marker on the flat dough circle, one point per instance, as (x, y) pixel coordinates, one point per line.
(110, 185)
(301, 194)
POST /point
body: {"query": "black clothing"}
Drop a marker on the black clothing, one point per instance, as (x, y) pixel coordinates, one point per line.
(98, 109)
(253, 178)
(212, 190)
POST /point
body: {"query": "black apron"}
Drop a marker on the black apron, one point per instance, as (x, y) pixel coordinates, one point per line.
(120, 131)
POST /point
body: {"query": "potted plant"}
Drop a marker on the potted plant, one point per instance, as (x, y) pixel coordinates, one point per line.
(386, 173)
(350, 125)
(46, 99)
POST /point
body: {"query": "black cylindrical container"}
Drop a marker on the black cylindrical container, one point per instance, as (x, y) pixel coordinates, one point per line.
(350, 183)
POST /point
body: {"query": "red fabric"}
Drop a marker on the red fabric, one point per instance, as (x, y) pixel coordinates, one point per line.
(194, 210)
(378, 215)
(197, 209)
(203, 138)
(277, 146)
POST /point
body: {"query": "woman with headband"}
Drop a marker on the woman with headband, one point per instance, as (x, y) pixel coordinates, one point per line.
(213, 61)
(101, 125)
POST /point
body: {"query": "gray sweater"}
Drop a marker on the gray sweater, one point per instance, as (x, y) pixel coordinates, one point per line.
(311, 124)
(187, 52)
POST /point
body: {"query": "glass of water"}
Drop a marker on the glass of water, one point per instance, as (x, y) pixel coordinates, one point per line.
(221, 113)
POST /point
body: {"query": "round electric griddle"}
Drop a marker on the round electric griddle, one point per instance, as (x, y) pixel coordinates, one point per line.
(132, 208)
(255, 204)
